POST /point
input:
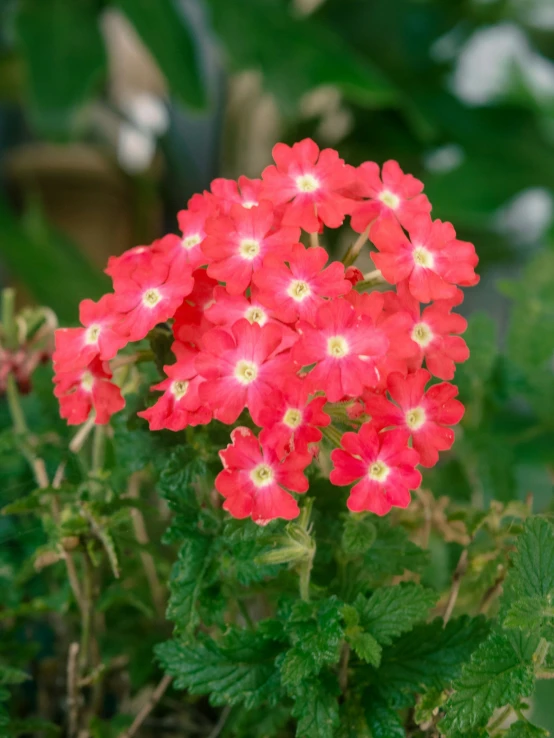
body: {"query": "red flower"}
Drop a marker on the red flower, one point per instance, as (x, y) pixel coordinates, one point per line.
(180, 405)
(81, 390)
(190, 317)
(397, 194)
(297, 290)
(241, 369)
(186, 249)
(77, 347)
(431, 331)
(292, 421)
(311, 182)
(432, 260)
(425, 415)
(384, 465)
(148, 297)
(247, 192)
(135, 258)
(343, 346)
(237, 244)
(254, 480)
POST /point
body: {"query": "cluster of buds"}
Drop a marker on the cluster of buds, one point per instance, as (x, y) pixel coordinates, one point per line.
(263, 323)
(26, 340)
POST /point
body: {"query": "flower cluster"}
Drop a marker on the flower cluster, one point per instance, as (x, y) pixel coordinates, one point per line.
(263, 323)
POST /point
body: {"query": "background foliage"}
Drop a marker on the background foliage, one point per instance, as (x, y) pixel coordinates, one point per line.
(379, 79)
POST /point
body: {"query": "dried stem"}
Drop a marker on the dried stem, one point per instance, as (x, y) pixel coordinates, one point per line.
(459, 572)
(141, 534)
(218, 727)
(491, 594)
(82, 434)
(72, 690)
(314, 239)
(343, 667)
(157, 694)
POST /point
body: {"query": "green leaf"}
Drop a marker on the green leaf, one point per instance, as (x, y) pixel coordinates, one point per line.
(315, 55)
(392, 554)
(32, 726)
(64, 56)
(533, 564)
(359, 534)
(187, 582)
(524, 729)
(430, 655)
(37, 254)
(365, 646)
(391, 611)
(529, 613)
(495, 676)
(165, 30)
(316, 707)
(316, 635)
(383, 720)
(238, 670)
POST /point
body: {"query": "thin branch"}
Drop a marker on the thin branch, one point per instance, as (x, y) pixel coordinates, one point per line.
(459, 573)
(500, 720)
(352, 254)
(343, 667)
(157, 694)
(314, 239)
(82, 434)
(491, 594)
(218, 727)
(72, 690)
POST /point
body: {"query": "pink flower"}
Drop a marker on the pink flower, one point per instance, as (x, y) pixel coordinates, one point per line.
(254, 480)
(297, 290)
(424, 415)
(247, 192)
(237, 244)
(77, 347)
(135, 258)
(148, 297)
(292, 421)
(344, 347)
(433, 332)
(432, 260)
(186, 248)
(384, 465)
(241, 369)
(81, 390)
(311, 182)
(398, 194)
(191, 316)
(180, 405)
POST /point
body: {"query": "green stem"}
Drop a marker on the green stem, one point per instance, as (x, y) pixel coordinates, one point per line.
(16, 411)
(86, 614)
(352, 254)
(305, 570)
(8, 319)
(98, 448)
(541, 652)
(499, 720)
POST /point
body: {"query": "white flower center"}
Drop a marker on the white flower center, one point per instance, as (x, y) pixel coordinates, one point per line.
(307, 183)
(293, 417)
(92, 333)
(337, 347)
(249, 248)
(249, 204)
(390, 199)
(423, 257)
(262, 475)
(299, 290)
(191, 241)
(255, 314)
(179, 389)
(415, 418)
(87, 381)
(378, 471)
(246, 371)
(151, 298)
(422, 334)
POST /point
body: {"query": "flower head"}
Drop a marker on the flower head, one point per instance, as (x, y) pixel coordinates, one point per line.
(383, 466)
(254, 480)
(81, 390)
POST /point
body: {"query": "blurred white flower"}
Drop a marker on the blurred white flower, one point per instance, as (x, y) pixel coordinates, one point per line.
(526, 217)
(135, 148)
(445, 158)
(147, 111)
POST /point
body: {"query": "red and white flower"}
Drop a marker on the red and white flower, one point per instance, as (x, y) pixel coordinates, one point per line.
(81, 390)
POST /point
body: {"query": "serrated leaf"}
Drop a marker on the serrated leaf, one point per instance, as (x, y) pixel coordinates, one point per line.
(316, 633)
(524, 729)
(316, 707)
(494, 677)
(430, 655)
(533, 564)
(365, 646)
(428, 705)
(359, 534)
(187, 581)
(391, 554)
(238, 670)
(9, 675)
(391, 611)
(529, 613)
(383, 720)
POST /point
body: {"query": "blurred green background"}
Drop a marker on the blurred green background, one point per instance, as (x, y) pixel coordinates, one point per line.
(114, 112)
